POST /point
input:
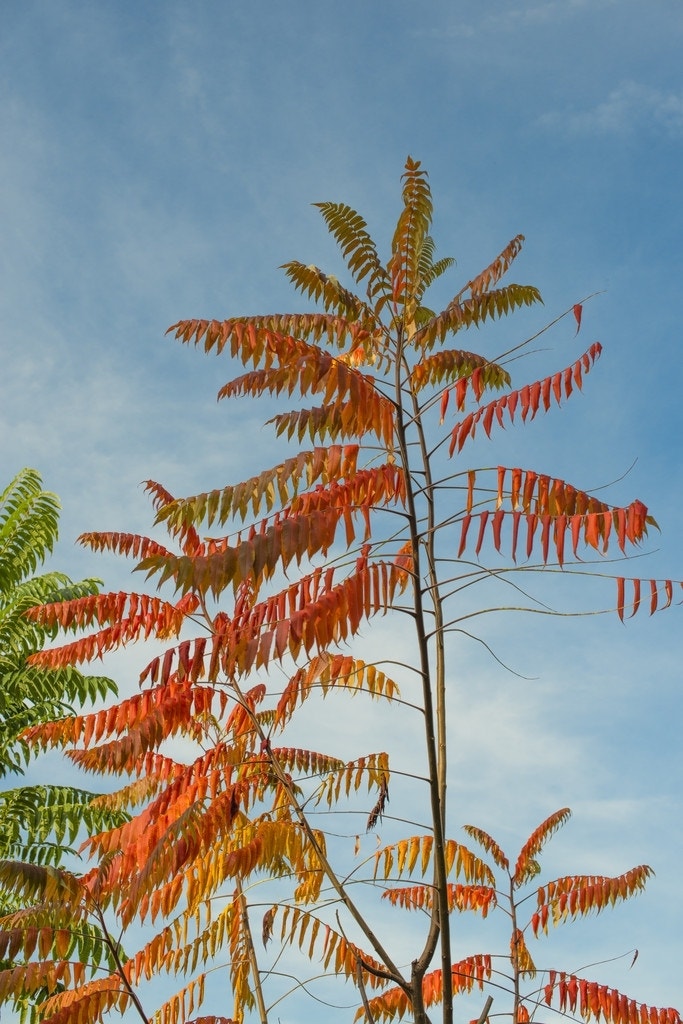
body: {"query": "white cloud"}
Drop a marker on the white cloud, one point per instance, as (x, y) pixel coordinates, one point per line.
(631, 107)
(509, 19)
(549, 12)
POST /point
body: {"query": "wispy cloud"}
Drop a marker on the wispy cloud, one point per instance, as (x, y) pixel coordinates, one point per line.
(515, 18)
(631, 107)
(544, 13)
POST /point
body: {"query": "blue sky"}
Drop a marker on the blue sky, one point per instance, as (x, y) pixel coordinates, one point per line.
(158, 161)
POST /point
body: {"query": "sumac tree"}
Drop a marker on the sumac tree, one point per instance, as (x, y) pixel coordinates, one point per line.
(260, 591)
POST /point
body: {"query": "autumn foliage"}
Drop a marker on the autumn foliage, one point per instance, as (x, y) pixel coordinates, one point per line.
(257, 594)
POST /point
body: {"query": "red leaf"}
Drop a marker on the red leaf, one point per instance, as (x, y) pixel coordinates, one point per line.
(496, 526)
(560, 529)
(577, 374)
(563, 991)
(460, 433)
(532, 523)
(463, 534)
(483, 519)
(545, 392)
(281, 637)
(636, 597)
(516, 487)
(488, 417)
(529, 484)
(592, 529)
(546, 521)
(620, 514)
(620, 597)
(557, 386)
(573, 989)
(167, 665)
(516, 519)
(534, 396)
(636, 521)
(607, 527)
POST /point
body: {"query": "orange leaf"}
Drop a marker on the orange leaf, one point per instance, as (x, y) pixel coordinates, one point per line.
(578, 310)
(470, 489)
(501, 484)
(444, 405)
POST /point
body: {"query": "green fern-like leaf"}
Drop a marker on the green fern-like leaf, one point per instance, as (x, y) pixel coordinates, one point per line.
(358, 248)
